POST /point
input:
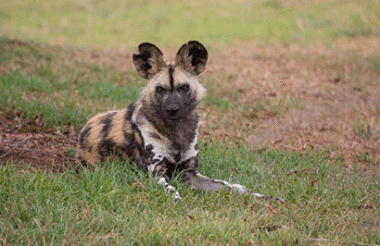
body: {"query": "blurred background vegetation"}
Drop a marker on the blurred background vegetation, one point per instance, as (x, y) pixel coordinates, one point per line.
(124, 24)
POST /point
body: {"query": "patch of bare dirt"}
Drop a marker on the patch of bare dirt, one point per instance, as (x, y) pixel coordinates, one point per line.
(31, 143)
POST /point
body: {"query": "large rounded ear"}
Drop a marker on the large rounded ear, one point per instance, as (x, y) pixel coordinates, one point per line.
(149, 61)
(192, 57)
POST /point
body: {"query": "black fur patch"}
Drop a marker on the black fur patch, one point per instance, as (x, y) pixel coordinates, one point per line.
(107, 121)
(106, 147)
(166, 167)
(148, 150)
(171, 71)
(181, 133)
(84, 163)
(83, 137)
(198, 55)
(191, 164)
(129, 137)
(147, 155)
(177, 157)
(155, 135)
(135, 150)
(125, 149)
(196, 147)
(127, 120)
(131, 108)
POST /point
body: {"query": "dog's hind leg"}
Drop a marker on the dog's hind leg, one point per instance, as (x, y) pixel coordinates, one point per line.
(200, 182)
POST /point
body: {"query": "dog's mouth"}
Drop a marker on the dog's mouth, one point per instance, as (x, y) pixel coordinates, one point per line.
(173, 117)
(172, 113)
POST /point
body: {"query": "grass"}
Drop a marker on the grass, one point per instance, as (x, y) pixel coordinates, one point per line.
(375, 64)
(36, 85)
(107, 207)
(126, 24)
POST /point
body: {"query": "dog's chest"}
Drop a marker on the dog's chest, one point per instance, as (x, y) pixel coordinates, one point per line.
(176, 156)
(162, 147)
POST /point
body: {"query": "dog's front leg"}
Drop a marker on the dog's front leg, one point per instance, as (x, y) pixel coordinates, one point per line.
(158, 170)
(168, 188)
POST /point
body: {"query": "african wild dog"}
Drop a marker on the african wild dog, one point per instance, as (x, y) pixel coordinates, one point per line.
(159, 131)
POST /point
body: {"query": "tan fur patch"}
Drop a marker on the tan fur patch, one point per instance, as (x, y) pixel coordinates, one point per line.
(162, 78)
(159, 169)
(116, 133)
(137, 154)
(91, 157)
(138, 138)
(181, 77)
(93, 140)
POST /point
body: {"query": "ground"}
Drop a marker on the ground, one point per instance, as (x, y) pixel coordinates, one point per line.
(30, 143)
(315, 97)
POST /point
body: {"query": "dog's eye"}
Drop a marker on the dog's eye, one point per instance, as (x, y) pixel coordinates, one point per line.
(160, 89)
(184, 88)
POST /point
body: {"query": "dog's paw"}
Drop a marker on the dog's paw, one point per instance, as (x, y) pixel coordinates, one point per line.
(177, 198)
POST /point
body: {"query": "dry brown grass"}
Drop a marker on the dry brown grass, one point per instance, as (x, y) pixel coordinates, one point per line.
(316, 97)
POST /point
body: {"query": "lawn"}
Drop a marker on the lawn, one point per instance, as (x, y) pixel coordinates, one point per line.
(292, 110)
(116, 204)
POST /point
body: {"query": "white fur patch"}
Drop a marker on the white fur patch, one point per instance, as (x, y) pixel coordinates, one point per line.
(169, 188)
(159, 158)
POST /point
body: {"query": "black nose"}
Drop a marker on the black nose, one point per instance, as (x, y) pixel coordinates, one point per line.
(172, 110)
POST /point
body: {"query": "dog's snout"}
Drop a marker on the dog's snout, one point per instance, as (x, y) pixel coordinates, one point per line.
(172, 109)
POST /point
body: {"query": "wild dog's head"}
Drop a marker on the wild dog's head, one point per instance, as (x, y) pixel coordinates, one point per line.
(173, 91)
